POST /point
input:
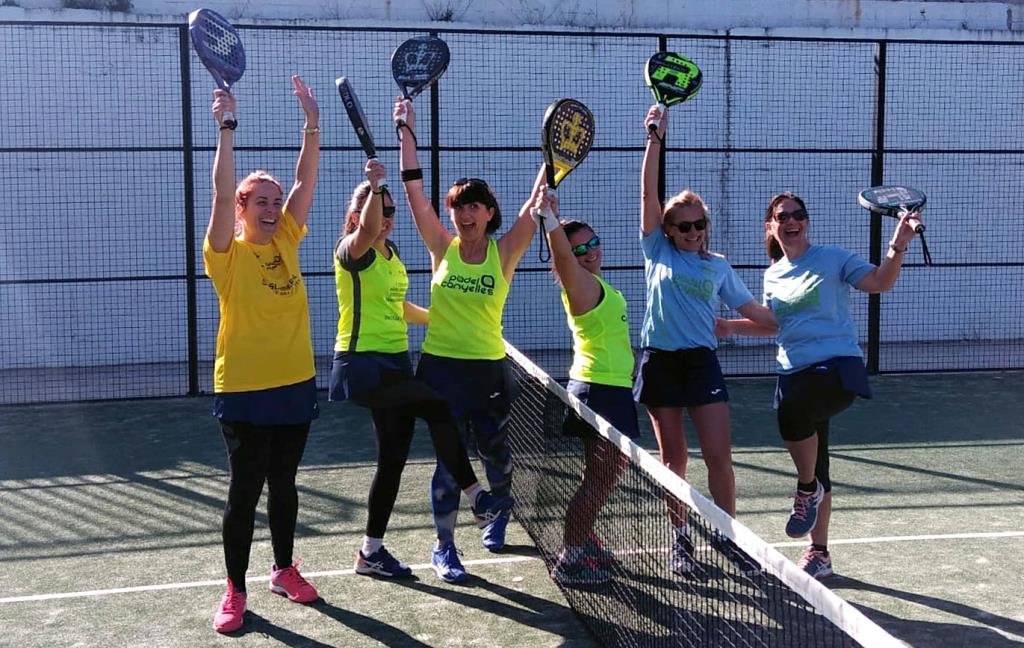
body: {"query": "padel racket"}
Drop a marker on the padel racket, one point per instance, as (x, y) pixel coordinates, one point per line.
(567, 134)
(416, 64)
(219, 47)
(673, 79)
(895, 201)
(358, 118)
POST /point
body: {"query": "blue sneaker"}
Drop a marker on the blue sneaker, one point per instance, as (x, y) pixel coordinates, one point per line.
(489, 507)
(805, 511)
(595, 550)
(446, 564)
(817, 564)
(584, 571)
(381, 563)
(493, 537)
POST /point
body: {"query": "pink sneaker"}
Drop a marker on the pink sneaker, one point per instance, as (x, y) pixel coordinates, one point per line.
(231, 611)
(289, 582)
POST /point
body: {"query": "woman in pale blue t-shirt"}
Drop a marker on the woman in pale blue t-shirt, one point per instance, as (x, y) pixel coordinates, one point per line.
(821, 367)
(678, 367)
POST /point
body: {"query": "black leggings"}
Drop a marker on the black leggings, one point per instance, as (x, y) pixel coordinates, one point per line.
(256, 455)
(395, 409)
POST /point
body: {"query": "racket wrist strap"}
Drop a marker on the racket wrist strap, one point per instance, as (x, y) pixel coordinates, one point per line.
(398, 131)
(408, 175)
(229, 126)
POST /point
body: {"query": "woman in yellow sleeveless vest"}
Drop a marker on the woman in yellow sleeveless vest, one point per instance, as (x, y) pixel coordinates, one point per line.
(464, 353)
(264, 379)
(601, 376)
(372, 369)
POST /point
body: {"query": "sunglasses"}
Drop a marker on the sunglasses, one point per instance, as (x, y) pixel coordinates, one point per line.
(583, 248)
(468, 181)
(800, 215)
(389, 211)
(684, 226)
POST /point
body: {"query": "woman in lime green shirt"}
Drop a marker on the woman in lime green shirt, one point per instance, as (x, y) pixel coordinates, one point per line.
(464, 353)
(601, 377)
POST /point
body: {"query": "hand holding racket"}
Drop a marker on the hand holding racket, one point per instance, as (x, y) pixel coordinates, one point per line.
(416, 64)
(219, 47)
(672, 79)
(900, 202)
(358, 119)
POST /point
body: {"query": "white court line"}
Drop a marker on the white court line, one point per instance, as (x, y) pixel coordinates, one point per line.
(486, 561)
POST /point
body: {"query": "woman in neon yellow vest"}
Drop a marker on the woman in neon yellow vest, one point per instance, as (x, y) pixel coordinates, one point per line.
(601, 376)
(372, 369)
(464, 354)
(264, 379)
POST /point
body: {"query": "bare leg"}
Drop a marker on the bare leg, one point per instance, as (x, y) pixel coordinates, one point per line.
(712, 423)
(668, 430)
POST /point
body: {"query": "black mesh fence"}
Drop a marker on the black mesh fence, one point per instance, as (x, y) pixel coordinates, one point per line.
(108, 143)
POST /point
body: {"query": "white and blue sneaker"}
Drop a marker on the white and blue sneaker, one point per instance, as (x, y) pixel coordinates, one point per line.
(446, 564)
(381, 563)
(488, 508)
(493, 537)
(805, 511)
(817, 564)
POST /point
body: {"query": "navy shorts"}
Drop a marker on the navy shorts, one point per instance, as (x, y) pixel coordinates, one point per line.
(819, 392)
(377, 380)
(613, 404)
(682, 378)
(288, 405)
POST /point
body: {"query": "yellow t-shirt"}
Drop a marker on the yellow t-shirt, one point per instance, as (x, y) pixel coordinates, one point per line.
(466, 304)
(264, 337)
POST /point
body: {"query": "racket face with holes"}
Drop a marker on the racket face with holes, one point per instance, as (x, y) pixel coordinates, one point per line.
(892, 200)
(566, 137)
(218, 46)
(356, 115)
(672, 78)
(419, 62)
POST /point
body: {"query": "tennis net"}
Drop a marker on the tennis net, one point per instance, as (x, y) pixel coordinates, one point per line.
(735, 591)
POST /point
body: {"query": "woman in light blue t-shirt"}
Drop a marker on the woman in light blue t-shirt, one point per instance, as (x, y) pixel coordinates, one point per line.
(821, 367)
(678, 368)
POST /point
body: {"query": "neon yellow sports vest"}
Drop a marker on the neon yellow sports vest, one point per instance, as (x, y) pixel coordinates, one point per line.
(466, 303)
(370, 312)
(600, 340)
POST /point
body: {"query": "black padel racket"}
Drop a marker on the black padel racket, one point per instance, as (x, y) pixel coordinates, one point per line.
(219, 47)
(358, 118)
(895, 201)
(416, 64)
(567, 134)
(673, 79)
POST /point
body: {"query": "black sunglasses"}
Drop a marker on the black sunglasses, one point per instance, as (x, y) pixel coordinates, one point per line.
(800, 215)
(684, 226)
(389, 211)
(466, 181)
(583, 248)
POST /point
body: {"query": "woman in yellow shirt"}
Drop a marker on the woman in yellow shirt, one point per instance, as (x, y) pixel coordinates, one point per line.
(264, 379)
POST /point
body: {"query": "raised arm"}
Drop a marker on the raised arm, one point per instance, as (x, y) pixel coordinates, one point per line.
(883, 277)
(300, 198)
(650, 205)
(372, 215)
(433, 233)
(516, 240)
(581, 288)
(221, 229)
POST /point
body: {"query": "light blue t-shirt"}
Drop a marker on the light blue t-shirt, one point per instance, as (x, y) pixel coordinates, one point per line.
(810, 298)
(683, 293)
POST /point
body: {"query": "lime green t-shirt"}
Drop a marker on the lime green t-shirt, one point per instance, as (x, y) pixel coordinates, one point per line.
(371, 293)
(602, 353)
(466, 304)
(264, 337)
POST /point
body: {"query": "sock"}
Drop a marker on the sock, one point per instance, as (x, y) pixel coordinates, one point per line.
(819, 547)
(474, 492)
(809, 487)
(370, 545)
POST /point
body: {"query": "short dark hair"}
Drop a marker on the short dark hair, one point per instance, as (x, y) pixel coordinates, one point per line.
(474, 190)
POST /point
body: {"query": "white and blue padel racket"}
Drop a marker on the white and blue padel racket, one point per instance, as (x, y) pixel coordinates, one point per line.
(219, 47)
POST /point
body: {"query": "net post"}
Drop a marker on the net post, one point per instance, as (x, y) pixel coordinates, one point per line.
(877, 178)
(190, 211)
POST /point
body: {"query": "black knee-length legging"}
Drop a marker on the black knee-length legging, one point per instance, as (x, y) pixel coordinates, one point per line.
(257, 455)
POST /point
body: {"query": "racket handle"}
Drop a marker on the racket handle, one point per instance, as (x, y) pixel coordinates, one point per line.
(228, 120)
(916, 224)
(656, 123)
(400, 117)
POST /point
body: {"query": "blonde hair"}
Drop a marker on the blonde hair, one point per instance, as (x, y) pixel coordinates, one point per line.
(688, 198)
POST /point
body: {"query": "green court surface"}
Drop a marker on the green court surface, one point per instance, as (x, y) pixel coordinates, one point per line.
(111, 526)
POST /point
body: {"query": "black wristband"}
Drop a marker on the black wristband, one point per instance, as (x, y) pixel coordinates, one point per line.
(229, 126)
(408, 175)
